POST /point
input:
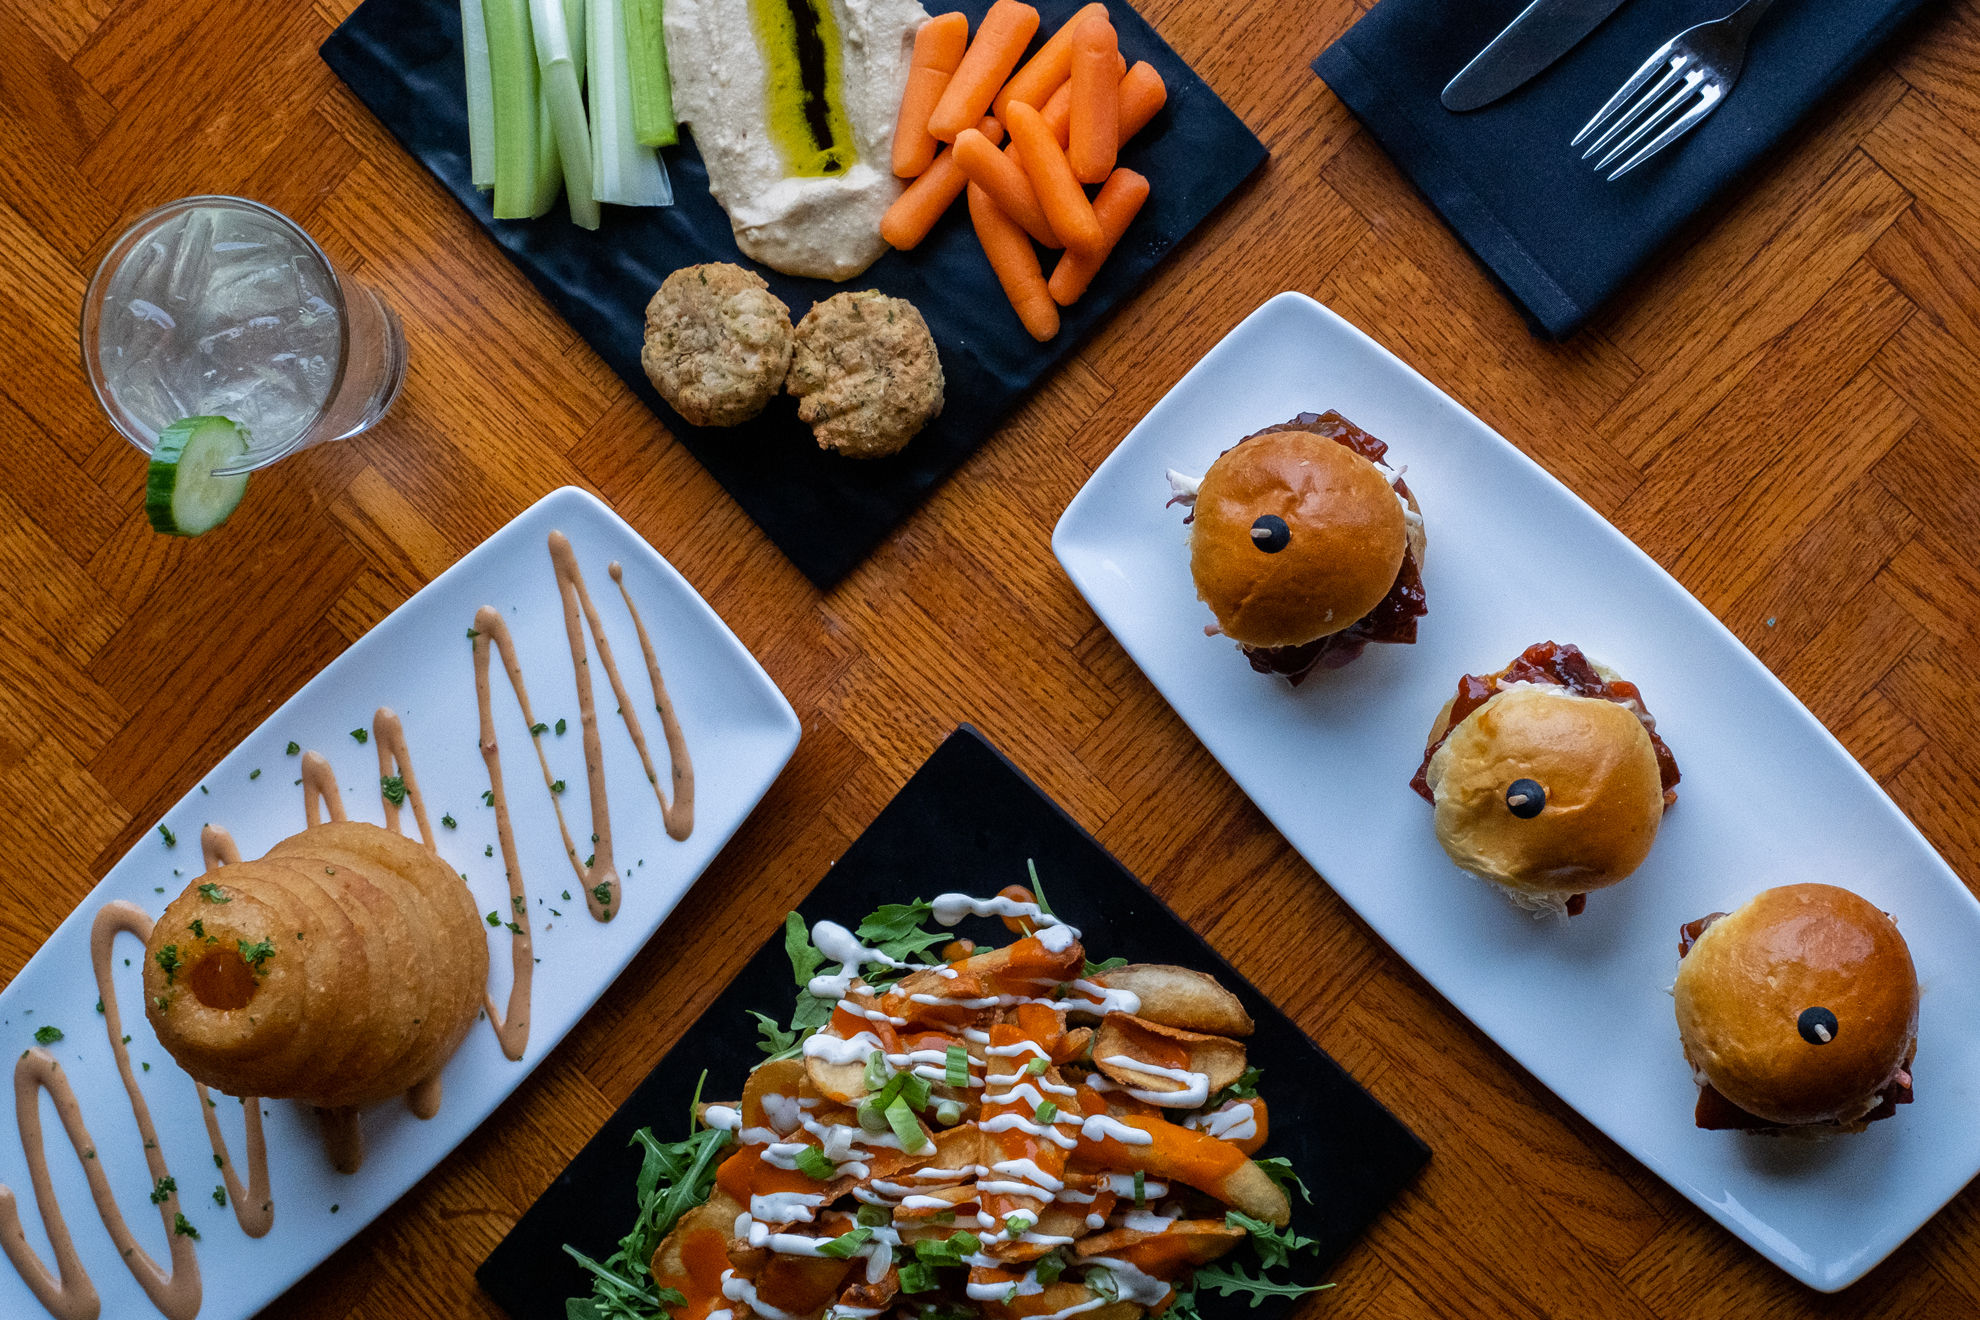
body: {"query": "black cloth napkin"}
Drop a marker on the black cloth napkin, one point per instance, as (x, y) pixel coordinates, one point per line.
(1559, 237)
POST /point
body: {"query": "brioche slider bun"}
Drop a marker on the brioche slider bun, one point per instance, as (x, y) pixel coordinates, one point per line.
(1588, 762)
(1801, 1008)
(1296, 537)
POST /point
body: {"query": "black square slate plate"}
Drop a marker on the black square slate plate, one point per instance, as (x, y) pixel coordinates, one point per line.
(968, 821)
(403, 59)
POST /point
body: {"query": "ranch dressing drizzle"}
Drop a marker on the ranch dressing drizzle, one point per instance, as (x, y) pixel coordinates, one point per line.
(72, 1296)
(254, 1207)
(679, 815)
(512, 1029)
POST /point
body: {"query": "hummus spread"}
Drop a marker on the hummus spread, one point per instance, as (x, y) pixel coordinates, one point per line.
(793, 104)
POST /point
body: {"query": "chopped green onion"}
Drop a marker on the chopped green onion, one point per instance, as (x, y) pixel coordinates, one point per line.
(1046, 1112)
(1016, 1226)
(652, 82)
(948, 1113)
(873, 1216)
(1050, 1266)
(906, 1126)
(914, 1090)
(1038, 1067)
(559, 54)
(917, 1278)
(845, 1245)
(1140, 1190)
(872, 1116)
(877, 1074)
(956, 1070)
(812, 1164)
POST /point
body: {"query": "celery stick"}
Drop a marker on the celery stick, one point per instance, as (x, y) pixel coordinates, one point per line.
(480, 95)
(549, 166)
(516, 90)
(574, 33)
(652, 83)
(549, 23)
(622, 170)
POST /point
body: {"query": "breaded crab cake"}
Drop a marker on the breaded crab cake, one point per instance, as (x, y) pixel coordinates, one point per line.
(718, 343)
(865, 372)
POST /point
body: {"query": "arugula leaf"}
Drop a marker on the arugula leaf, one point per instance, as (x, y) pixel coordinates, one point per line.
(1037, 890)
(895, 930)
(1095, 968)
(805, 957)
(1280, 1170)
(1244, 1088)
(1183, 1307)
(674, 1177)
(777, 1042)
(1274, 1245)
(1232, 1281)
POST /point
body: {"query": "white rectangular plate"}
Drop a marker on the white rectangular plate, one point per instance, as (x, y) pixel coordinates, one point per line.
(419, 662)
(1768, 796)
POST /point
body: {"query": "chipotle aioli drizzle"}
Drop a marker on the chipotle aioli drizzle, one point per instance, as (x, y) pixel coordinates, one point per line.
(254, 1207)
(68, 1294)
(512, 1028)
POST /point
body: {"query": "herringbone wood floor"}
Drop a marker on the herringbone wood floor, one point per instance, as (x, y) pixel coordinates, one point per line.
(1785, 412)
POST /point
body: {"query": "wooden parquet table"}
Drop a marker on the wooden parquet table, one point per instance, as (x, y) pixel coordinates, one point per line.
(1785, 412)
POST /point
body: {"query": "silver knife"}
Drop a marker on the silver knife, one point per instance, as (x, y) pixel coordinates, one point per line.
(1544, 32)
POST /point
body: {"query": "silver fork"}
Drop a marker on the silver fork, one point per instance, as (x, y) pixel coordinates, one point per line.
(1699, 64)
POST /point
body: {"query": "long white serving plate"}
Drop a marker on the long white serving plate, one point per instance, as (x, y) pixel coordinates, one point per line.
(1768, 796)
(739, 728)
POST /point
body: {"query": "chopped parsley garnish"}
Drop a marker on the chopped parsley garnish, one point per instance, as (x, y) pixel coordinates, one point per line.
(473, 633)
(603, 893)
(811, 1162)
(515, 901)
(183, 1227)
(211, 893)
(487, 797)
(538, 730)
(489, 851)
(171, 839)
(514, 929)
(361, 735)
(449, 821)
(47, 1035)
(169, 962)
(394, 789)
(494, 918)
(163, 1191)
(293, 748)
(254, 774)
(198, 927)
(557, 787)
(560, 727)
(220, 1197)
(257, 954)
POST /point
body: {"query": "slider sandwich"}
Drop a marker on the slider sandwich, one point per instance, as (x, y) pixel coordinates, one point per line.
(1305, 545)
(1798, 1013)
(1548, 778)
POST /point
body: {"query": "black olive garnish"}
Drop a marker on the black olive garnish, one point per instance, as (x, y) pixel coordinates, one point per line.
(1271, 534)
(1817, 1025)
(1525, 798)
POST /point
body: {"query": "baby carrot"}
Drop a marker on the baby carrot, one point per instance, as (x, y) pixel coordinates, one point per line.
(938, 49)
(1000, 39)
(1143, 94)
(915, 211)
(1096, 101)
(1059, 193)
(1000, 176)
(1048, 70)
(1016, 263)
(1057, 112)
(1116, 206)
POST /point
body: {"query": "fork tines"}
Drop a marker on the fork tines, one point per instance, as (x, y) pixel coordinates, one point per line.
(1678, 87)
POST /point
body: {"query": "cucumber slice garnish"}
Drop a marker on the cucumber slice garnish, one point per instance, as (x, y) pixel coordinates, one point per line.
(181, 494)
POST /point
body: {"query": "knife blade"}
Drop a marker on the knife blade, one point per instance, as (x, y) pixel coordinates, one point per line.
(1544, 31)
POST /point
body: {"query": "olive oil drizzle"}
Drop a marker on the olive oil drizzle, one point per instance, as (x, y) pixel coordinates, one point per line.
(804, 85)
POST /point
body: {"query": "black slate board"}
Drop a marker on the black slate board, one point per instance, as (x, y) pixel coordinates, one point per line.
(403, 59)
(969, 820)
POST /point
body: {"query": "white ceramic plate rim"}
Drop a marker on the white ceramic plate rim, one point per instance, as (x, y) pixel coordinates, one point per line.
(1769, 795)
(740, 730)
